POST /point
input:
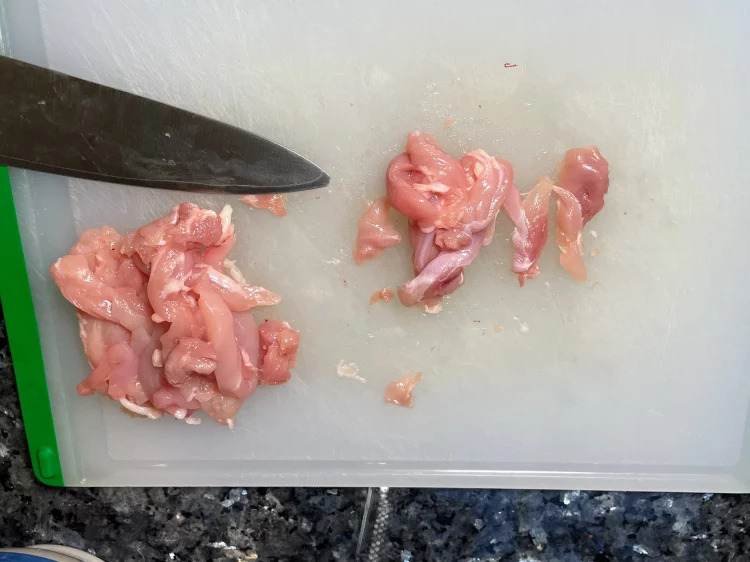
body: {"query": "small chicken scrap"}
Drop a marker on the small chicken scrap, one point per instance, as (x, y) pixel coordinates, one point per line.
(384, 295)
(452, 206)
(399, 392)
(274, 202)
(164, 328)
(375, 232)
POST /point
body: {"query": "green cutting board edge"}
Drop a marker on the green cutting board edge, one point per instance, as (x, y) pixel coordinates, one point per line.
(25, 346)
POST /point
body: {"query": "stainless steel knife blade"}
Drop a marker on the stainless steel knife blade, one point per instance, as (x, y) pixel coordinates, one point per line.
(55, 123)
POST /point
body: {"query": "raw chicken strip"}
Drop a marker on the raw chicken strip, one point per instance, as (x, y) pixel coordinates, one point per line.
(274, 202)
(585, 173)
(442, 275)
(95, 292)
(568, 236)
(220, 331)
(375, 232)
(532, 237)
(248, 340)
(451, 207)
(514, 209)
(237, 296)
(164, 329)
(489, 180)
(399, 392)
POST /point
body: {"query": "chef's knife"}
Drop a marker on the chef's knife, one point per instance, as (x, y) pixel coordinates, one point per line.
(52, 122)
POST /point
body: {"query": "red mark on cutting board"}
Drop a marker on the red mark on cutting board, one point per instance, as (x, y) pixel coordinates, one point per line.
(510, 65)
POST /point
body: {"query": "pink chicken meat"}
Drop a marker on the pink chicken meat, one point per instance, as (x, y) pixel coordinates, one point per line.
(274, 202)
(164, 329)
(531, 219)
(568, 235)
(451, 206)
(583, 181)
(399, 392)
(375, 232)
(585, 173)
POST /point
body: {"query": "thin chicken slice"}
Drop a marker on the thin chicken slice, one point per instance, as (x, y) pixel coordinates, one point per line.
(442, 275)
(535, 207)
(237, 296)
(568, 235)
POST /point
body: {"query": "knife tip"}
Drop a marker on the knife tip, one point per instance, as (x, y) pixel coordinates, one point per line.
(323, 181)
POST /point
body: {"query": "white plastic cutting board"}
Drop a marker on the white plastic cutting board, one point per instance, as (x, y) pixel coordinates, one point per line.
(637, 379)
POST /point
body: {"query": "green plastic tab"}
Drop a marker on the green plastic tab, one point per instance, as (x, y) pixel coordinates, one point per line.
(25, 346)
(49, 463)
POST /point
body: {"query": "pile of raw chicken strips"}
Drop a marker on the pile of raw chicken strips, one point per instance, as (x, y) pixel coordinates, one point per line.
(165, 318)
(452, 206)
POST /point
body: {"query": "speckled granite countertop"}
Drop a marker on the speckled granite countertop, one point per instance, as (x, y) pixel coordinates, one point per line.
(307, 524)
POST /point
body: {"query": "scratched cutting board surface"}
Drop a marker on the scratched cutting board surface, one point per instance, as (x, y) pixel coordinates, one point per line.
(636, 379)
